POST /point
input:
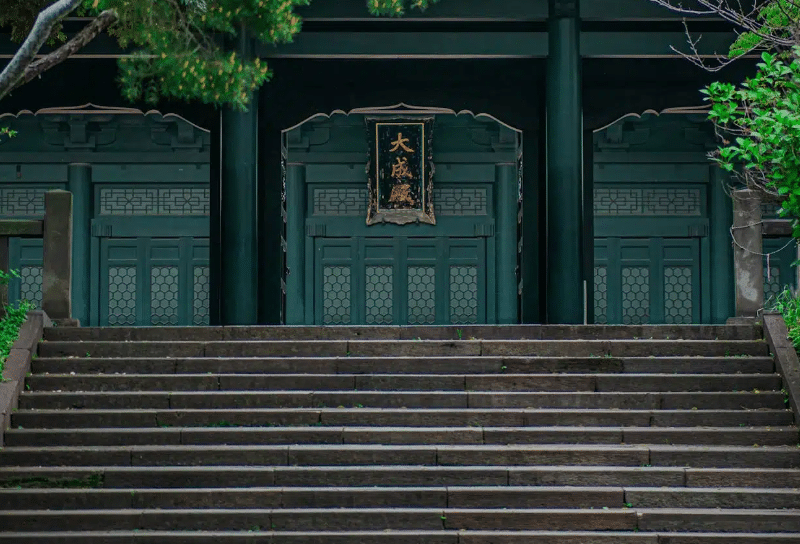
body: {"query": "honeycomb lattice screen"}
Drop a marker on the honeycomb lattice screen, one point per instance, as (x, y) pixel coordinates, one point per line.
(463, 294)
(421, 295)
(379, 295)
(336, 295)
(635, 295)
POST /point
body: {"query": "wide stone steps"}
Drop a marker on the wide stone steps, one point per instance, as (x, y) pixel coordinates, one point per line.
(403, 365)
(186, 477)
(48, 411)
(744, 400)
(454, 332)
(394, 537)
(401, 497)
(740, 436)
(436, 455)
(407, 348)
(305, 519)
(402, 435)
(408, 382)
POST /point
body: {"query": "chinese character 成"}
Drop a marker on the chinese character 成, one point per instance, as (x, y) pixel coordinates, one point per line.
(400, 169)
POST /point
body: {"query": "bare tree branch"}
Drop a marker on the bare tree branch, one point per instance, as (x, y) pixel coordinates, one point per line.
(78, 42)
(37, 37)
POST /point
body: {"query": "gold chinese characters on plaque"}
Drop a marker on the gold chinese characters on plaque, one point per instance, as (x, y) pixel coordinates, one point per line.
(400, 170)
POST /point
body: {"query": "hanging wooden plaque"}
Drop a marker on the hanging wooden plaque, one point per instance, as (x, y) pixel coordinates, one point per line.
(400, 170)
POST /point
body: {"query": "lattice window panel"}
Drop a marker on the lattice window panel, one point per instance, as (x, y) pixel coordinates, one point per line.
(154, 201)
(31, 284)
(23, 201)
(343, 201)
(336, 295)
(379, 293)
(201, 312)
(772, 285)
(421, 295)
(122, 295)
(463, 294)
(621, 201)
(635, 295)
(678, 295)
(460, 201)
(164, 295)
(600, 295)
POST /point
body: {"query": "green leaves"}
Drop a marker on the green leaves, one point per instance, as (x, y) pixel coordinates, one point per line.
(761, 123)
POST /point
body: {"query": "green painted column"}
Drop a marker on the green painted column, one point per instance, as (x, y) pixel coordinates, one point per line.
(721, 215)
(239, 272)
(295, 243)
(79, 183)
(506, 201)
(565, 290)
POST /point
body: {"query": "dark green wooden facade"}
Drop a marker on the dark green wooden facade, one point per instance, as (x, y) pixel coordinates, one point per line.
(606, 213)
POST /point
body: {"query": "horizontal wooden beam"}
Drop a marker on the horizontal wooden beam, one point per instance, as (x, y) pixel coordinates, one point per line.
(382, 45)
(776, 228)
(501, 43)
(21, 228)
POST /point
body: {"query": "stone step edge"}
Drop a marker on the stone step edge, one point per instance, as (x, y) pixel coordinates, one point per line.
(415, 488)
(400, 429)
(458, 536)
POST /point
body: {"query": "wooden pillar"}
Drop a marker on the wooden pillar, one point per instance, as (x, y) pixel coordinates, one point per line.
(295, 243)
(57, 257)
(4, 267)
(722, 277)
(80, 185)
(747, 248)
(565, 289)
(506, 202)
(238, 244)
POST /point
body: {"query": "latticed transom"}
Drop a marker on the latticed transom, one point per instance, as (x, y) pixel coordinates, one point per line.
(421, 295)
(23, 201)
(678, 295)
(164, 295)
(616, 201)
(122, 295)
(379, 295)
(635, 295)
(463, 294)
(154, 201)
(336, 295)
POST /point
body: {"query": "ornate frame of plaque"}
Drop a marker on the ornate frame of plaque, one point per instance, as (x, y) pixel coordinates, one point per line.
(400, 170)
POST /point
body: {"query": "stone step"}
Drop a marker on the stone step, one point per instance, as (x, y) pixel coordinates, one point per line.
(329, 497)
(207, 400)
(419, 348)
(406, 382)
(415, 497)
(773, 436)
(48, 412)
(294, 519)
(114, 477)
(403, 365)
(445, 455)
(448, 332)
(392, 537)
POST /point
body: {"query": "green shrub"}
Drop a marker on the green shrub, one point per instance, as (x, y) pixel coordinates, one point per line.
(789, 305)
(12, 321)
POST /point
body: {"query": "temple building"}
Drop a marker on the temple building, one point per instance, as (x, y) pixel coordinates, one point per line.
(491, 162)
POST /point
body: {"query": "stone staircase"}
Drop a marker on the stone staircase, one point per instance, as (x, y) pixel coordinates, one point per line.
(437, 435)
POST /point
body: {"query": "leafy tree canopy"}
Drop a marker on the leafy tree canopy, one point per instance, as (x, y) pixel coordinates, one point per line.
(177, 48)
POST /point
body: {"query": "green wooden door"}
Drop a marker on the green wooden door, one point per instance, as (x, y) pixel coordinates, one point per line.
(778, 270)
(153, 281)
(399, 280)
(647, 280)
